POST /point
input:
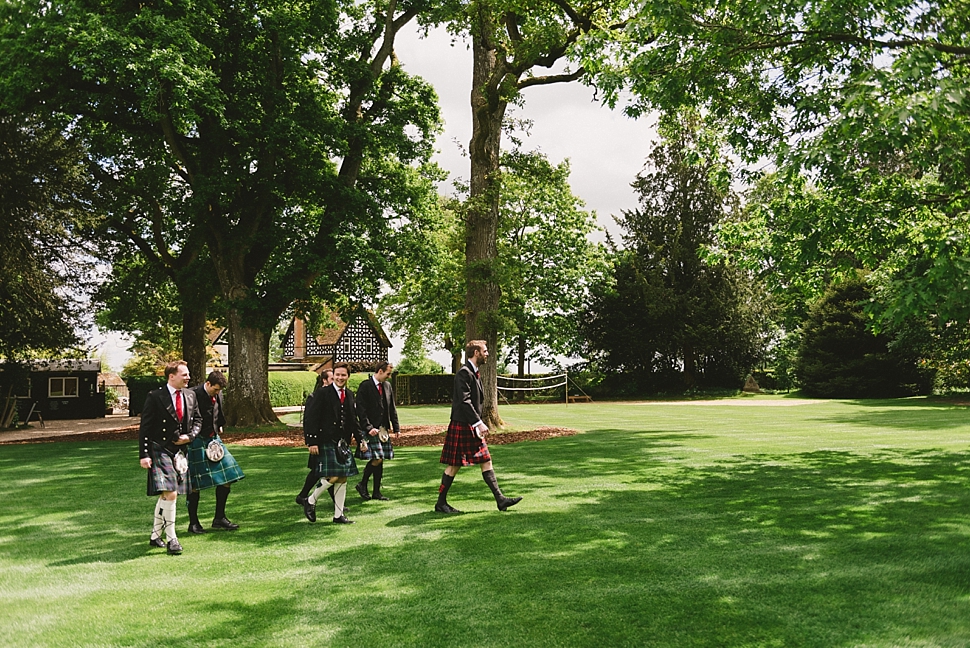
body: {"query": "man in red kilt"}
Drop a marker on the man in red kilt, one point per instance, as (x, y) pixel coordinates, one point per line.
(170, 419)
(465, 442)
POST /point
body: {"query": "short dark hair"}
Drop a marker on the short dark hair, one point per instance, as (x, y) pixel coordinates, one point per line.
(342, 365)
(471, 346)
(381, 366)
(217, 378)
(173, 367)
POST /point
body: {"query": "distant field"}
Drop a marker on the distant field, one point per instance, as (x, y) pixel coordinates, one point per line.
(764, 521)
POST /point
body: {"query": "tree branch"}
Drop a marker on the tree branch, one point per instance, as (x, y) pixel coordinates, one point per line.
(550, 79)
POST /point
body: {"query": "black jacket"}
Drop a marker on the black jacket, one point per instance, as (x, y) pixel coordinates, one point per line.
(466, 401)
(160, 425)
(371, 413)
(210, 427)
(324, 419)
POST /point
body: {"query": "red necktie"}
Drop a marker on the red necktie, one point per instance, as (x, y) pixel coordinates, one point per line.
(380, 388)
(341, 395)
(178, 404)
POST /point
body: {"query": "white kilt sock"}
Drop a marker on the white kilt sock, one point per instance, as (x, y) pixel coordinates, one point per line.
(339, 497)
(159, 524)
(315, 495)
(168, 512)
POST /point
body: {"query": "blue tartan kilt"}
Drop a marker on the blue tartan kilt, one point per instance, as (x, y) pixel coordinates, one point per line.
(162, 476)
(328, 466)
(376, 449)
(462, 447)
(208, 474)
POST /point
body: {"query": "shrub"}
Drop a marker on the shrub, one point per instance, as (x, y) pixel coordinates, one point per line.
(290, 388)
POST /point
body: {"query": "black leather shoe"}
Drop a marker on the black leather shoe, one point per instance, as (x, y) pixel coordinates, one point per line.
(157, 543)
(300, 500)
(362, 491)
(507, 502)
(445, 508)
(342, 520)
(224, 523)
(196, 528)
(174, 548)
(310, 511)
(379, 497)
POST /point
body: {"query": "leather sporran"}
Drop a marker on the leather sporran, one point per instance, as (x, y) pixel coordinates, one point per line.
(342, 452)
(383, 434)
(215, 451)
(181, 463)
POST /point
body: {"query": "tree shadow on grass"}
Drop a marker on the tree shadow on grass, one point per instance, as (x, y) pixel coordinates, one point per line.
(816, 549)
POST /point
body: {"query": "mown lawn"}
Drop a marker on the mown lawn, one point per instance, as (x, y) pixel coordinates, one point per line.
(750, 522)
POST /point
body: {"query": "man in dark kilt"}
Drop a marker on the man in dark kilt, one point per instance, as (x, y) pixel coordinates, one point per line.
(311, 420)
(377, 415)
(169, 420)
(334, 408)
(205, 473)
(465, 442)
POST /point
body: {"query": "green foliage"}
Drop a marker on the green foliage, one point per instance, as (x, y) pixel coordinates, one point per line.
(671, 313)
(290, 388)
(43, 210)
(840, 357)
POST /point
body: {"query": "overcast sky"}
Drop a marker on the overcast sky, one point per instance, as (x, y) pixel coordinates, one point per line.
(606, 150)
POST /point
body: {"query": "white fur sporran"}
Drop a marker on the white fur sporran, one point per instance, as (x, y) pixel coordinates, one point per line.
(181, 463)
(215, 451)
(383, 434)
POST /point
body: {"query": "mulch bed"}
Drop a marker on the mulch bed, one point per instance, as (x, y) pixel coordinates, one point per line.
(411, 435)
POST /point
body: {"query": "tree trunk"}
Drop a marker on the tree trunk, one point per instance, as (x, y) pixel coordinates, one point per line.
(193, 342)
(521, 356)
(247, 395)
(482, 290)
(690, 366)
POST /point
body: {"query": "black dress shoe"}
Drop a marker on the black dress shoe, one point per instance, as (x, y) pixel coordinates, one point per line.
(342, 520)
(157, 543)
(377, 496)
(195, 527)
(310, 511)
(362, 491)
(300, 500)
(174, 548)
(445, 508)
(224, 523)
(507, 502)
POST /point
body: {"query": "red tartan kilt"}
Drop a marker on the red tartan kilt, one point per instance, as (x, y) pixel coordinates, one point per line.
(462, 447)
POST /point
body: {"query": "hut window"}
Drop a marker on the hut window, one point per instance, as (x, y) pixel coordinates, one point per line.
(63, 387)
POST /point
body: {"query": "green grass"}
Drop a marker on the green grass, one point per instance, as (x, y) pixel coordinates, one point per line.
(752, 522)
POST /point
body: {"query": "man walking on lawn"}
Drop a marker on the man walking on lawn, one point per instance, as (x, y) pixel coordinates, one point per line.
(324, 378)
(204, 472)
(169, 420)
(377, 414)
(465, 442)
(331, 420)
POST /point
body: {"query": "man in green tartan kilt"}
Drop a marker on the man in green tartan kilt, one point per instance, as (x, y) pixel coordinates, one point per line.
(170, 419)
(331, 418)
(204, 472)
(377, 416)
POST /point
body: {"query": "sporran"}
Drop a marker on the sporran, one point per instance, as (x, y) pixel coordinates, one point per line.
(181, 463)
(383, 434)
(215, 451)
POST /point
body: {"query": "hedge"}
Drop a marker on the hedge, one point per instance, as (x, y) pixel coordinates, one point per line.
(290, 388)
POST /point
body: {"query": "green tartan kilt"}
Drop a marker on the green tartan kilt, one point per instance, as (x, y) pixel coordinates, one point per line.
(328, 466)
(162, 476)
(207, 474)
(376, 449)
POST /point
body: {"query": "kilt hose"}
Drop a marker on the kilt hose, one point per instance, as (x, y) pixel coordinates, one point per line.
(208, 474)
(162, 476)
(376, 449)
(328, 466)
(462, 447)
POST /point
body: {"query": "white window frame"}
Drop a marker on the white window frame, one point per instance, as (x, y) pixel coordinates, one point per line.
(64, 382)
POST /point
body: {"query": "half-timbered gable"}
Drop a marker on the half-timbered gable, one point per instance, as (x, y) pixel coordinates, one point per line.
(360, 341)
